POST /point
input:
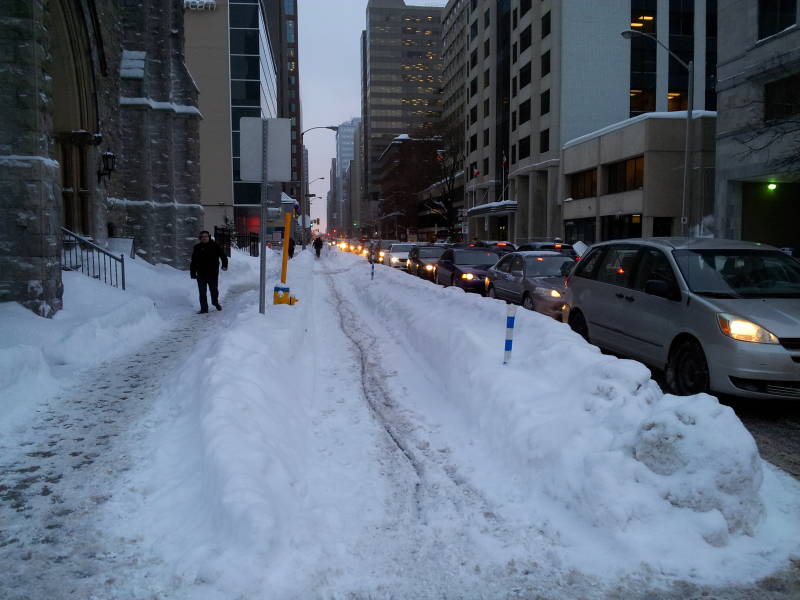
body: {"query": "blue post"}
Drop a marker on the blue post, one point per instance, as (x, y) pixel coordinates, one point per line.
(510, 316)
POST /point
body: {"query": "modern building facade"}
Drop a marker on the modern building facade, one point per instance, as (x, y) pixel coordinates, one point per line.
(233, 61)
(84, 80)
(621, 181)
(454, 61)
(402, 72)
(758, 131)
(346, 145)
(570, 73)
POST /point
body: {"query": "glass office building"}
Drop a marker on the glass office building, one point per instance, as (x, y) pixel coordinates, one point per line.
(254, 93)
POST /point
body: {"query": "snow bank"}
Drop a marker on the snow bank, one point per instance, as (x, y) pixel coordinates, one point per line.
(589, 439)
(97, 323)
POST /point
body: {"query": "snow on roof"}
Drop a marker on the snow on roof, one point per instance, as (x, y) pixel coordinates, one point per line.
(181, 109)
(677, 114)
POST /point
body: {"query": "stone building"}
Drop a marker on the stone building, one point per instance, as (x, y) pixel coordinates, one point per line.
(79, 79)
(758, 128)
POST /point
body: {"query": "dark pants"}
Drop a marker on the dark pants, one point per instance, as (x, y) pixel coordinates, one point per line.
(209, 281)
(317, 250)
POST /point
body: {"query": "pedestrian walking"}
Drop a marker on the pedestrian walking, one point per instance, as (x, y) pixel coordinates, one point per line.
(318, 245)
(204, 267)
(291, 247)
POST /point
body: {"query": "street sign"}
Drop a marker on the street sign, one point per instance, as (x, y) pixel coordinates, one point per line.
(279, 149)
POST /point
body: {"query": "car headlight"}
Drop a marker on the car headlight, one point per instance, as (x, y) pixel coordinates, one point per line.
(429, 267)
(744, 330)
(486, 282)
(395, 259)
(467, 276)
(555, 294)
(381, 253)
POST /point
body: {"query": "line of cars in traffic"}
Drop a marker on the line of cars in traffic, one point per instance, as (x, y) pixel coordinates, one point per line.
(713, 315)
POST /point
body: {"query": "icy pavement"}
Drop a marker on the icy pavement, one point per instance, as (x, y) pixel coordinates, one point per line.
(360, 445)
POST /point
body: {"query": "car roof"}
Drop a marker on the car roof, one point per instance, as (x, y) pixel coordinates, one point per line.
(540, 253)
(685, 243)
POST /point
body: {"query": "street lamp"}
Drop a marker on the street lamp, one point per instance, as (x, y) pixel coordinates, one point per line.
(628, 34)
(303, 199)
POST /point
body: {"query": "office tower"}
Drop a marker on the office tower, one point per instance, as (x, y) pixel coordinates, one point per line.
(402, 75)
(345, 152)
(233, 61)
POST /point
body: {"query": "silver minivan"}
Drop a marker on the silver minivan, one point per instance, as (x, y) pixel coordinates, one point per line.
(715, 315)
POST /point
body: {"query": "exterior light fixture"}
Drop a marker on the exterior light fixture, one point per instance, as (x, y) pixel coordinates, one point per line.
(772, 187)
(108, 164)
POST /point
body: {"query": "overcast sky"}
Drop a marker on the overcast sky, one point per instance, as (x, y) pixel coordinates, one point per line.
(330, 79)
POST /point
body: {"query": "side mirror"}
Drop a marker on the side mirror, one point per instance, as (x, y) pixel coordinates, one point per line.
(566, 268)
(658, 287)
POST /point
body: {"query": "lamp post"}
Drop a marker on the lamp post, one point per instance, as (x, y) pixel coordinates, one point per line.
(303, 199)
(628, 34)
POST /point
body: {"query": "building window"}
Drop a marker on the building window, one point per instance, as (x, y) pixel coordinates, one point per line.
(625, 175)
(486, 166)
(514, 19)
(473, 114)
(513, 120)
(524, 76)
(473, 30)
(244, 41)
(662, 226)
(524, 147)
(782, 98)
(473, 59)
(473, 142)
(514, 52)
(244, 67)
(245, 93)
(620, 227)
(544, 141)
(485, 137)
(524, 6)
(244, 16)
(288, 7)
(546, 24)
(246, 193)
(583, 184)
(486, 107)
(546, 63)
(487, 48)
(473, 6)
(486, 19)
(473, 170)
(290, 37)
(775, 16)
(473, 86)
(525, 39)
(525, 112)
(513, 154)
(544, 102)
(513, 87)
(487, 78)
(580, 230)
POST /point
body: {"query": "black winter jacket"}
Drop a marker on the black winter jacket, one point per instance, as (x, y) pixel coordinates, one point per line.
(205, 260)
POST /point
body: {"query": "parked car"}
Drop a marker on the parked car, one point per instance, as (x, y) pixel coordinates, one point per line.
(397, 255)
(716, 315)
(422, 260)
(500, 247)
(560, 247)
(469, 244)
(465, 268)
(533, 279)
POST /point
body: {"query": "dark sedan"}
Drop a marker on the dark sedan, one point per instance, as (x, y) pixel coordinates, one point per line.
(533, 279)
(422, 260)
(465, 268)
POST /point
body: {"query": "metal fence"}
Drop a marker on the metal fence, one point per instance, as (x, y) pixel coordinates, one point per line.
(230, 240)
(81, 254)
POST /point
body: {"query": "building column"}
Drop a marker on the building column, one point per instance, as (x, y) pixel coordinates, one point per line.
(662, 56)
(521, 217)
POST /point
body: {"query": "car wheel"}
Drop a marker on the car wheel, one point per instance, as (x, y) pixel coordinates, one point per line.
(687, 369)
(527, 302)
(491, 293)
(578, 324)
(453, 280)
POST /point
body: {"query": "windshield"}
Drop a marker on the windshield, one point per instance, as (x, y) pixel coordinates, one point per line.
(546, 266)
(475, 258)
(740, 273)
(431, 252)
(401, 247)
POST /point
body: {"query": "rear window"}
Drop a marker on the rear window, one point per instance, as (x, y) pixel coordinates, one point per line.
(475, 258)
(546, 266)
(431, 252)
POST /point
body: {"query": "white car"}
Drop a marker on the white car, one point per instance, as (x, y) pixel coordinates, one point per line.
(397, 255)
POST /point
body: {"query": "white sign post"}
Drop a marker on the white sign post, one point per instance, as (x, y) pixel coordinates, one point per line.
(265, 151)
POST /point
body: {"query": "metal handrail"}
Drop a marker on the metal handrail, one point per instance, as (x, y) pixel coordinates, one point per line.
(82, 254)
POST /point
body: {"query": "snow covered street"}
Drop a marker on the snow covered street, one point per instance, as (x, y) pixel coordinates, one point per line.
(368, 443)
